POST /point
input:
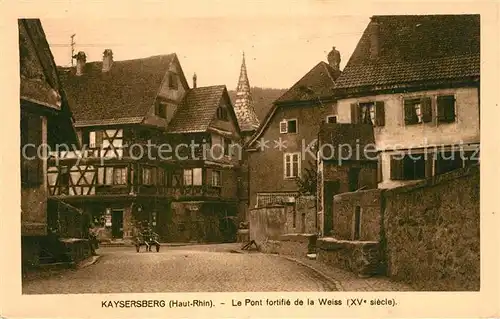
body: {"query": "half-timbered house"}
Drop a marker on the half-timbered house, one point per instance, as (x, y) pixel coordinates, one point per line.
(155, 151)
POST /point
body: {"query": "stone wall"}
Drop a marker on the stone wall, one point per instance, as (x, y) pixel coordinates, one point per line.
(344, 205)
(432, 232)
(267, 223)
(297, 245)
(301, 218)
(359, 257)
(427, 234)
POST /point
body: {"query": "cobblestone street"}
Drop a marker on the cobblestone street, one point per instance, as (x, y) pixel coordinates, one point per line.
(204, 268)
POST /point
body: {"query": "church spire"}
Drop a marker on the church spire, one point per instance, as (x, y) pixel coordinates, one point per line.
(243, 106)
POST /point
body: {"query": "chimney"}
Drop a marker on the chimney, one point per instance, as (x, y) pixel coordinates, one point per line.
(107, 60)
(81, 58)
(194, 81)
(334, 59)
(374, 39)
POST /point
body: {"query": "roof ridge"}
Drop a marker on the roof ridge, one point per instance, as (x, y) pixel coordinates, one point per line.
(135, 59)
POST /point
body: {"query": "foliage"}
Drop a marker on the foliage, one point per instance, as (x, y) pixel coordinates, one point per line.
(307, 183)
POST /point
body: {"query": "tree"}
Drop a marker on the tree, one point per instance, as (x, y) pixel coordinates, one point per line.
(307, 183)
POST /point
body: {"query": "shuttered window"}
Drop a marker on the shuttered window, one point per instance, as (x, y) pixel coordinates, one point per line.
(446, 109)
(448, 161)
(426, 104)
(379, 113)
(368, 113)
(409, 167)
(412, 111)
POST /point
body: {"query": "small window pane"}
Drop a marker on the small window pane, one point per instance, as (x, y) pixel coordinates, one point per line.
(292, 126)
(188, 177)
(197, 176)
(92, 139)
(100, 175)
(109, 176)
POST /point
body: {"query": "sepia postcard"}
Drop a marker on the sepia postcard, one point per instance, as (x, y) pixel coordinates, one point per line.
(249, 159)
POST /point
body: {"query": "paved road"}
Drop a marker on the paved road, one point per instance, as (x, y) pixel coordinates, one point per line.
(181, 269)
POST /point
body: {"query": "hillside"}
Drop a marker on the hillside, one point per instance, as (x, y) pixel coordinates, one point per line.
(263, 99)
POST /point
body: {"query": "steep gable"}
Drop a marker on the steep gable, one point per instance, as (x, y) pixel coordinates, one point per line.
(316, 83)
(197, 109)
(39, 81)
(314, 87)
(122, 95)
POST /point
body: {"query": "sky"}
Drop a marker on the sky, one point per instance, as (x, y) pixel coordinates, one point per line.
(279, 48)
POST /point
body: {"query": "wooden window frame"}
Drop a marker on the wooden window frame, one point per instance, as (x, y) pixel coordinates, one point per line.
(161, 109)
(145, 180)
(222, 113)
(288, 158)
(374, 109)
(284, 126)
(123, 175)
(216, 182)
(328, 117)
(424, 113)
(173, 80)
(399, 167)
(190, 174)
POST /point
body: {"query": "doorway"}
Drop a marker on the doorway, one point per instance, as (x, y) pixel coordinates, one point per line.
(331, 189)
(117, 223)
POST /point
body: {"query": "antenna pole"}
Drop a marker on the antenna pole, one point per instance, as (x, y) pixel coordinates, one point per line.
(72, 48)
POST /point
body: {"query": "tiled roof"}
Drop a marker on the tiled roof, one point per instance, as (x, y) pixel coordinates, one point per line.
(345, 141)
(414, 50)
(197, 109)
(127, 90)
(318, 82)
(243, 105)
(39, 80)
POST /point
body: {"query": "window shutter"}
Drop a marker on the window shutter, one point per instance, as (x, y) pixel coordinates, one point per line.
(379, 113)
(450, 108)
(354, 113)
(410, 115)
(283, 126)
(426, 109)
(396, 168)
(446, 108)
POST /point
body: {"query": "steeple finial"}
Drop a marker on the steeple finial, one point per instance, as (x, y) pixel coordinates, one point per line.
(243, 105)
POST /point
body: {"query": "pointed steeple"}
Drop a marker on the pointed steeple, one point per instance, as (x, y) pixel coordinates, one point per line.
(243, 106)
